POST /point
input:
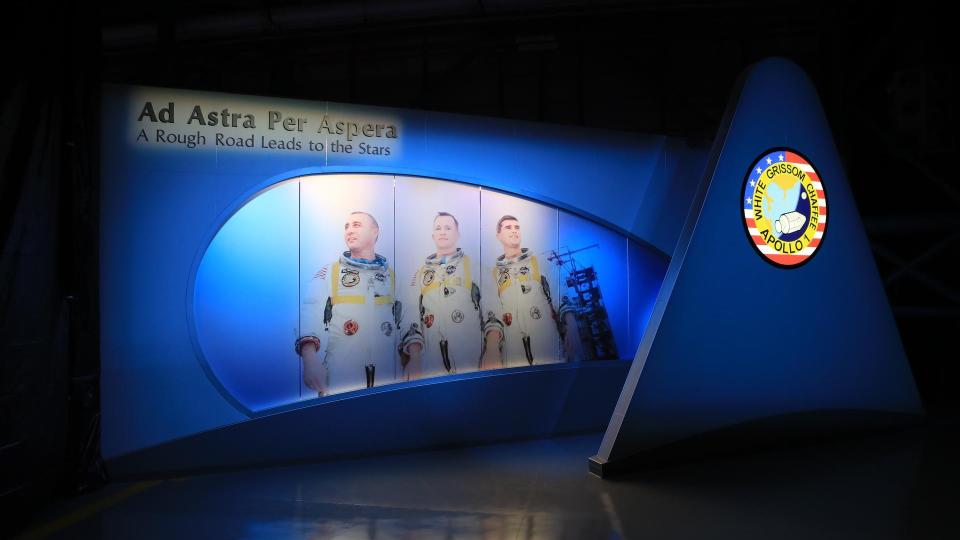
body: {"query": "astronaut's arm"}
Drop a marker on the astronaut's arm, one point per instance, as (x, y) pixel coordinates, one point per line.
(491, 326)
(314, 318)
(493, 339)
(489, 306)
(314, 368)
(564, 304)
(569, 330)
(491, 354)
(408, 320)
(412, 337)
(410, 347)
(315, 314)
(406, 316)
(307, 345)
(567, 315)
(545, 284)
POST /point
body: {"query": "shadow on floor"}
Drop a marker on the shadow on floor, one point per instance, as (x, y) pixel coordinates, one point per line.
(891, 485)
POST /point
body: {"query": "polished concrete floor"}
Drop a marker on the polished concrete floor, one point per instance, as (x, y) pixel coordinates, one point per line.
(891, 485)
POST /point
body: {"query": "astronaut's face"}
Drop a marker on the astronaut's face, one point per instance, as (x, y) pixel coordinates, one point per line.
(509, 234)
(446, 234)
(359, 232)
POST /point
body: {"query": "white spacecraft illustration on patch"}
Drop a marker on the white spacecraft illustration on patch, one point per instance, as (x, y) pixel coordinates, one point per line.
(789, 222)
(785, 205)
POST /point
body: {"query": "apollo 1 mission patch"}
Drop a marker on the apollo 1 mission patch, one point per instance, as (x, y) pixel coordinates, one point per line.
(349, 278)
(784, 208)
(428, 276)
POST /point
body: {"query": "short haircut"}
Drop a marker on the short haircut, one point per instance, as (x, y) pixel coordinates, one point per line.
(373, 219)
(507, 217)
(449, 215)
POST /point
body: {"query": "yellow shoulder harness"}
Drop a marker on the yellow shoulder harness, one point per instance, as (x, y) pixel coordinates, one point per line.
(338, 298)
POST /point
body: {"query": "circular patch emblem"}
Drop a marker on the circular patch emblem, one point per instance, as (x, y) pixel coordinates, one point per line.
(349, 279)
(381, 277)
(524, 270)
(784, 208)
(451, 269)
(386, 328)
(534, 312)
(428, 276)
(428, 320)
(457, 316)
(507, 319)
(350, 327)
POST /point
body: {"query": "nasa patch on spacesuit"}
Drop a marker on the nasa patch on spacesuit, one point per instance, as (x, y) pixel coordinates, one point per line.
(784, 207)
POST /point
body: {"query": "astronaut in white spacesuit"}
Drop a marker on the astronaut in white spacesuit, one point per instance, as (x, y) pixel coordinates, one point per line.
(531, 325)
(445, 326)
(349, 316)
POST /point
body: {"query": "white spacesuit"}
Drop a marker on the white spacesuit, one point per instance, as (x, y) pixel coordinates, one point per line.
(350, 314)
(526, 310)
(445, 315)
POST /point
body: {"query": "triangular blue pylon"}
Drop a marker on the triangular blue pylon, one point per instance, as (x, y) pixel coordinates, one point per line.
(736, 340)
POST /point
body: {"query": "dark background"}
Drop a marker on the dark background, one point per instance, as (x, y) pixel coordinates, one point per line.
(884, 75)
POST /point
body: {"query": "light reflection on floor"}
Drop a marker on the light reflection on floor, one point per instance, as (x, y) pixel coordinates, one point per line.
(888, 486)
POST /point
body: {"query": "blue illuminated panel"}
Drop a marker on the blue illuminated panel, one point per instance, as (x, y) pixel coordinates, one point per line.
(205, 259)
(254, 280)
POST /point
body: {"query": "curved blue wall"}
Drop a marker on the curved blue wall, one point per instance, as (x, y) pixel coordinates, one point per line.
(249, 281)
(162, 204)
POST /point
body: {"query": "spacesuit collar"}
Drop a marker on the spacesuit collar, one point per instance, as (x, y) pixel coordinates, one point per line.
(450, 259)
(504, 261)
(379, 262)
